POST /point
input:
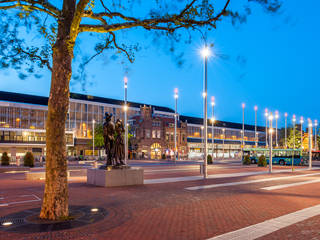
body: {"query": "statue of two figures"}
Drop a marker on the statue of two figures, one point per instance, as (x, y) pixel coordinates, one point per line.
(113, 135)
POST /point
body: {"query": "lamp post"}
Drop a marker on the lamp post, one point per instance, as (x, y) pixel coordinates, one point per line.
(315, 135)
(276, 116)
(212, 125)
(242, 144)
(294, 138)
(266, 114)
(205, 53)
(285, 129)
(223, 137)
(175, 124)
(255, 126)
(301, 138)
(270, 139)
(93, 122)
(310, 143)
(125, 121)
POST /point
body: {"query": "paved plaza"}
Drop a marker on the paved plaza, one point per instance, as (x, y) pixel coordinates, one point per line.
(235, 202)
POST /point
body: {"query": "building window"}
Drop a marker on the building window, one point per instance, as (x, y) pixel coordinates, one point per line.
(156, 124)
(147, 133)
(154, 134)
(167, 136)
(158, 134)
(172, 137)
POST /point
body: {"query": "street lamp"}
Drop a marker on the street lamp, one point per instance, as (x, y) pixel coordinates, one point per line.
(242, 145)
(276, 116)
(294, 138)
(255, 125)
(125, 121)
(266, 114)
(212, 124)
(301, 138)
(310, 144)
(93, 122)
(270, 139)
(205, 53)
(285, 129)
(315, 135)
(175, 124)
(223, 137)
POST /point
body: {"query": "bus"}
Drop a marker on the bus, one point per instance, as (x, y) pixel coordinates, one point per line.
(279, 156)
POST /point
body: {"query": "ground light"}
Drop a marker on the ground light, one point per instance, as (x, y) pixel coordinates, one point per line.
(7, 223)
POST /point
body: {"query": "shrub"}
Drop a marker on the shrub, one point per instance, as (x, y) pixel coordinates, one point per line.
(246, 160)
(5, 160)
(163, 156)
(262, 162)
(209, 159)
(28, 160)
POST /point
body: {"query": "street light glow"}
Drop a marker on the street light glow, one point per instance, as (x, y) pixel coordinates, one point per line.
(176, 93)
(294, 118)
(255, 108)
(243, 105)
(125, 108)
(205, 52)
(212, 100)
(277, 115)
(286, 114)
(301, 119)
(315, 122)
(266, 112)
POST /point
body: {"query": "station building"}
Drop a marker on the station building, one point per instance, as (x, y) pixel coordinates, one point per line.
(23, 122)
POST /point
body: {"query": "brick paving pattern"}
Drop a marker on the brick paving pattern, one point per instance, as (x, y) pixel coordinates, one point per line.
(168, 211)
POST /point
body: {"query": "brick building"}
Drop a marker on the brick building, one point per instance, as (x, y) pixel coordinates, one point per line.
(153, 135)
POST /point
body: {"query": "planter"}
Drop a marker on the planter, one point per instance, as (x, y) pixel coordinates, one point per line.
(115, 177)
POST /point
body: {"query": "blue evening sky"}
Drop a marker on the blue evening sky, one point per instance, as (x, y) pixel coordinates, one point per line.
(272, 61)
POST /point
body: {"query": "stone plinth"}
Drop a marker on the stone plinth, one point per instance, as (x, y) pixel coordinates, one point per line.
(115, 177)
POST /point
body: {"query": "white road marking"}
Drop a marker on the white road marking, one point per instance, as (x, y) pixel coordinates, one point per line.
(215, 176)
(248, 181)
(18, 202)
(200, 177)
(290, 185)
(270, 226)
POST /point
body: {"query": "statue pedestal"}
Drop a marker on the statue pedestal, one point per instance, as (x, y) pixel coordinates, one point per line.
(115, 177)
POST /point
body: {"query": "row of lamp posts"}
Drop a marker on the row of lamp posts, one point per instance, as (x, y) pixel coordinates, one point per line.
(206, 53)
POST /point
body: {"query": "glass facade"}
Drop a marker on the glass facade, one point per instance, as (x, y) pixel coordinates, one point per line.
(195, 131)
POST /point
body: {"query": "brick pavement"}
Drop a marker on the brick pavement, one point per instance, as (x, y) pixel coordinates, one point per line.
(167, 211)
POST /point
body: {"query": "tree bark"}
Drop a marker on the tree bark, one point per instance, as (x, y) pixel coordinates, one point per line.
(55, 200)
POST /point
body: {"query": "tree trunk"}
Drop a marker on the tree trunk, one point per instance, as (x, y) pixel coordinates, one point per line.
(55, 200)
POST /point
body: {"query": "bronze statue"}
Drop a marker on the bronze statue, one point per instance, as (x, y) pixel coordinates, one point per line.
(119, 143)
(108, 135)
(113, 135)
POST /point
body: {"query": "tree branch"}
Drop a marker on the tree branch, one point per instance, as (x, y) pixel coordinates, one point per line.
(36, 57)
(162, 23)
(40, 5)
(77, 19)
(120, 48)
